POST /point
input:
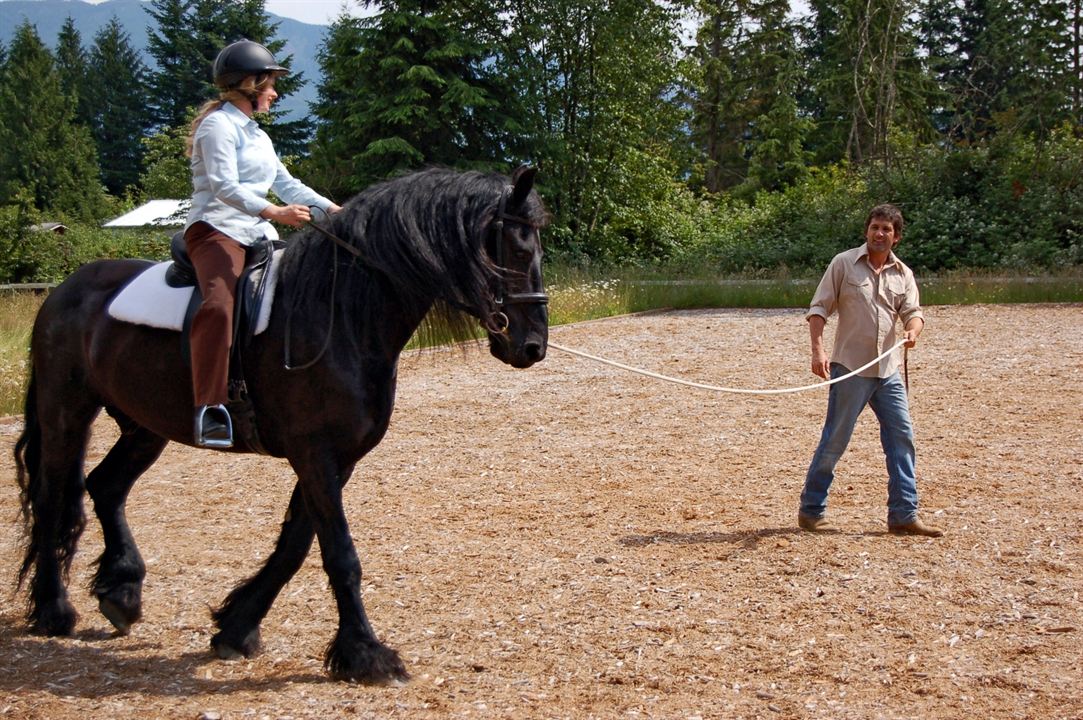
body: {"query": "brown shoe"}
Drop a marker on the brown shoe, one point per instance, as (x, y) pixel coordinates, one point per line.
(812, 524)
(915, 528)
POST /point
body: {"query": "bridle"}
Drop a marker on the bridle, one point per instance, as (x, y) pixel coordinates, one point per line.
(498, 322)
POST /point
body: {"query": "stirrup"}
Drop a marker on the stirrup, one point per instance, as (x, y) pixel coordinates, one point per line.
(213, 427)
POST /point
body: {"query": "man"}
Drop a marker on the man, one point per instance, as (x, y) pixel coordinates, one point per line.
(871, 290)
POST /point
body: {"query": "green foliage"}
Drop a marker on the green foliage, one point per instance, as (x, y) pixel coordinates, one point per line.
(865, 77)
(409, 86)
(741, 81)
(46, 257)
(649, 215)
(72, 65)
(1015, 204)
(168, 174)
(44, 155)
(598, 74)
(16, 238)
(118, 80)
(796, 230)
(184, 40)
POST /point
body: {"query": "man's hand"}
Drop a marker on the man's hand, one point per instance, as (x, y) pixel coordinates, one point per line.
(821, 365)
(913, 330)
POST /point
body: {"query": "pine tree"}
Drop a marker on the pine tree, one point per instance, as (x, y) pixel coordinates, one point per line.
(71, 65)
(333, 166)
(1011, 69)
(43, 153)
(121, 120)
(745, 63)
(403, 88)
(1075, 21)
(715, 93)
(189, 36)
(867, 78)
(179, 82)
(1039, 88)
(939, 36)
(599, 89)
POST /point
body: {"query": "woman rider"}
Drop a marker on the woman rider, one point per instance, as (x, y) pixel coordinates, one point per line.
(234, 165)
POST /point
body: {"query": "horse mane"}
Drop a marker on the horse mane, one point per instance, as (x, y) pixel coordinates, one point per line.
(420, 237)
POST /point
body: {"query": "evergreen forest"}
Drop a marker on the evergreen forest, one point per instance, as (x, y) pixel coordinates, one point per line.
(743, 137)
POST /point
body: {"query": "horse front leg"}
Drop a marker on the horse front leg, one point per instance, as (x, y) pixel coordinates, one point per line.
(355, 653)
(239, 617)
(118, 582)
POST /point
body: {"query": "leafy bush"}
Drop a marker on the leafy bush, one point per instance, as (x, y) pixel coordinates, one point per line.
(16, 241)
(1015, 205)
(42, 256)
(796, 230)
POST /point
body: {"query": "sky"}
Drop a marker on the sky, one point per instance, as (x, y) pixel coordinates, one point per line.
(315, 12)
(324, 12)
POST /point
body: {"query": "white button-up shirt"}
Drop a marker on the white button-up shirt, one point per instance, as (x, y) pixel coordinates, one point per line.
(869, 305)
(234, 165)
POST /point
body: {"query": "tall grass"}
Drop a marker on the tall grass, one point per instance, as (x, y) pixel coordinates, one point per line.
(576, 296)
(17, 311)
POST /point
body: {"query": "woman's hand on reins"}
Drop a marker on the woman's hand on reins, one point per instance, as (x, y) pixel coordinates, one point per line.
(292, 215)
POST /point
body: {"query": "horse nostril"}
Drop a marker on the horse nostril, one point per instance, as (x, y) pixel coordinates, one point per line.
(534, 351)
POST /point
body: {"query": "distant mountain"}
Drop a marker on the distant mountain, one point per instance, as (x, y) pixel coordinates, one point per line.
(303, 40)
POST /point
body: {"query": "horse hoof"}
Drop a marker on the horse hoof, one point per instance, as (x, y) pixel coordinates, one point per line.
(366, 662)
(226, 650)
(120, 617)
(55, 619)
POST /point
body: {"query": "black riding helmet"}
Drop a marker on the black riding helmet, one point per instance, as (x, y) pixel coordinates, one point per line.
(243, 58)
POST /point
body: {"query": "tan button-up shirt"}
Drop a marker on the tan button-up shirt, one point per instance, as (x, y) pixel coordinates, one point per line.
(869, 307)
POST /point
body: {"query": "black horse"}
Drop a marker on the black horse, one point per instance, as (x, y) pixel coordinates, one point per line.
(436, 243)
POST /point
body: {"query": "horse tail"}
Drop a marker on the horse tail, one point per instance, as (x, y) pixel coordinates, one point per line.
(44, 509)
(28, 468)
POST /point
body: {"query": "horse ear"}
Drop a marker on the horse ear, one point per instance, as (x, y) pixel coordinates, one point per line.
(523, 181)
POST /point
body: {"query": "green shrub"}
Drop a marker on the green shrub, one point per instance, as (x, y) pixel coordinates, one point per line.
(39, 256)
(796, 230)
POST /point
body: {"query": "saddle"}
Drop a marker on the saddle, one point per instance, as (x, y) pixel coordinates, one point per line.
(251, 286)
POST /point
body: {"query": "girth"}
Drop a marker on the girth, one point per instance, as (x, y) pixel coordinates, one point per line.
(251, 286)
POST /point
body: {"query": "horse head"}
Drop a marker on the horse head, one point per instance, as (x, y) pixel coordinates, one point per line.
(518, 326)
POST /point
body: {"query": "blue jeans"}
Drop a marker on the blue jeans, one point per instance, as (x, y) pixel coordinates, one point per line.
(845, 401)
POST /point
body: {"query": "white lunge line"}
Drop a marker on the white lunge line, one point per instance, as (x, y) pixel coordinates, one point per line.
(716, 388)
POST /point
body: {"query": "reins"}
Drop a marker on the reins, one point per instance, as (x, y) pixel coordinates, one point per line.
(743, 391)
(330, 313)
(339, 243)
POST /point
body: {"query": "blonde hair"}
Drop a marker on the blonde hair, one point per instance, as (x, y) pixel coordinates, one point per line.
(244, 91)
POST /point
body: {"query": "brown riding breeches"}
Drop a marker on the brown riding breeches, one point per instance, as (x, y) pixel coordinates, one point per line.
(219, 260)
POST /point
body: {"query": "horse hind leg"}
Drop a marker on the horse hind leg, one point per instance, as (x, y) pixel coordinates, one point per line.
(118, 580)
(49, 461)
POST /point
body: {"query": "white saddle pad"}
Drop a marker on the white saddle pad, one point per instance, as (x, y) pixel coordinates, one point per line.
(148, 300)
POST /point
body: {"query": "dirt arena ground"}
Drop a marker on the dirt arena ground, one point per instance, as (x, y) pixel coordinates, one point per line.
(573, 541)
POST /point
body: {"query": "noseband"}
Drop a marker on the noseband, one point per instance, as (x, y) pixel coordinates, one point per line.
(498, 321)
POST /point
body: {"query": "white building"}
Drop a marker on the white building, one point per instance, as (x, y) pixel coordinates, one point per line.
(155, 213)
